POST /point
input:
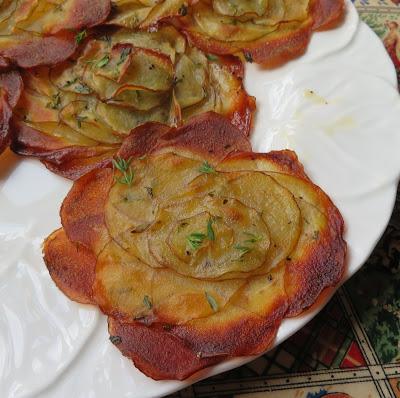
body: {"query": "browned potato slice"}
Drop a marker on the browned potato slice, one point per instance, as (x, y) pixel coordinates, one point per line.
(40, 32)
(141, 292)
(240, 7)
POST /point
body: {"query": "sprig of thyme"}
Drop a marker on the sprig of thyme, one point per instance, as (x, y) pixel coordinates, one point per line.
(124, 166)
(80, 36)
(212, 302)
(207, 168)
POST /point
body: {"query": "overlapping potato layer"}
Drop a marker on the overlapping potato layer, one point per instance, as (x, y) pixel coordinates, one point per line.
(195, 247)
(76, 114)
(146, 14)
(265, 31)
(40, 32)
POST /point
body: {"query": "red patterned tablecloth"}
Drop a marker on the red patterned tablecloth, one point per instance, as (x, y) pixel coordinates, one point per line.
(352, 348)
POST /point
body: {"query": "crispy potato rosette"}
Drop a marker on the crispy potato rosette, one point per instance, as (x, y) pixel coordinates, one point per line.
(75, 115)
(194, 247)
(40, 32)
(268, 32)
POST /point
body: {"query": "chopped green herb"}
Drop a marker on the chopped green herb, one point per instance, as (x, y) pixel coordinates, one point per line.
(124, 166)
(252, 238)
(195, 240)
(210, 231)
(315, 235)
(207, 168)
(55, 102)
(211, 300)
(79, 120)
(79, 37)
(242, 249)
(147, 302)
(103, 62)
(115, 340)
(124, 55)
(212, 57)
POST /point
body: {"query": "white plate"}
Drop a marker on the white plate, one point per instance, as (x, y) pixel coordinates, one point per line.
(346, 134)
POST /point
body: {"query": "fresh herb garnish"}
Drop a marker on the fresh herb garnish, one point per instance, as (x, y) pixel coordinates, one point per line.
(196, 239)
(103, 61)
(124, 55)
(79, 37)
(124, 166)
(210, 231)
(212, 57)
(252, 238)
(207, 168)
(55, 102)
(79, 120)
(147, 302)
(115, 340)
(242, 249)
(211, 300)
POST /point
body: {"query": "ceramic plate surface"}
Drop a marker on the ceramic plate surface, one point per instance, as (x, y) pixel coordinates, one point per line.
(337, 106)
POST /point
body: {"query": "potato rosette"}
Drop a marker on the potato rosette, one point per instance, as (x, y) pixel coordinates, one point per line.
(39, 32)
(75, 115)
(268, 32)
(195, 247)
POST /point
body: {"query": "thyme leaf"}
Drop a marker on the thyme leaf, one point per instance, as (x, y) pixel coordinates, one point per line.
(212, 302)
(242, 249)
(210, 231)
(252, 238)
(147, 302)
(80, 36)
(207, 168)
(103, 61)
(196, 239)
(124, 166)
